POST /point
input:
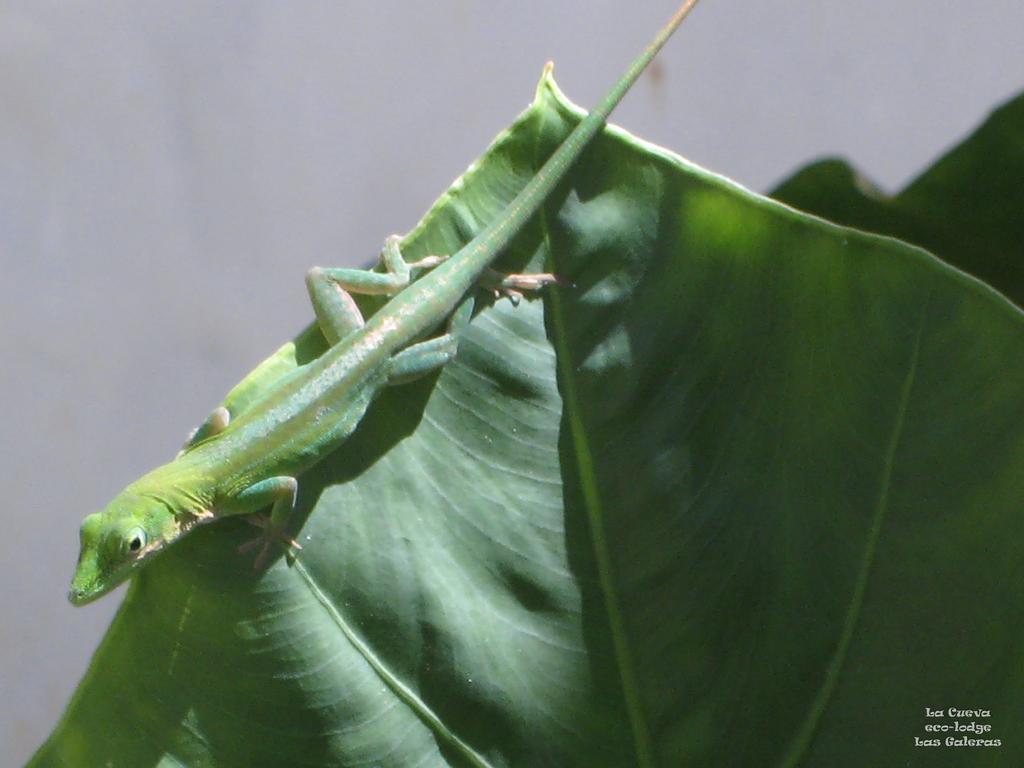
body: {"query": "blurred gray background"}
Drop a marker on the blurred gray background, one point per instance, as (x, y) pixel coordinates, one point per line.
(168, 171)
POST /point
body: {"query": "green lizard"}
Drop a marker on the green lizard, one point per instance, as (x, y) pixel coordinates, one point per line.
(247, 454)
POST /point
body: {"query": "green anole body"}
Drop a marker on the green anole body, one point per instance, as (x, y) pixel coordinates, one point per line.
(242, 462)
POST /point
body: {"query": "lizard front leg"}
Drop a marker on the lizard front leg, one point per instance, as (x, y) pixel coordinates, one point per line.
(306, 346)
(331, 289)
(215, 423)
(278, 493)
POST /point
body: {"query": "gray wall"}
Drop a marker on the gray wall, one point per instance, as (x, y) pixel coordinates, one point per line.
(169, 170)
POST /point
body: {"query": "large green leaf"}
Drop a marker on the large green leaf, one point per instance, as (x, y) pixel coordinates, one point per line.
(746, 494)
(967, 208)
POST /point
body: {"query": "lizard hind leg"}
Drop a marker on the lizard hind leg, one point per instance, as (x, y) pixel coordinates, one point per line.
(422, 358)
(330, 289)
(425, 357)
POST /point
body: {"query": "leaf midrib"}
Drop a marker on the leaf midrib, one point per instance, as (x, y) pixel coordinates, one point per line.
(594, 508)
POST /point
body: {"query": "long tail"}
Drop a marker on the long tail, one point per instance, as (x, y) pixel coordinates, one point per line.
(491, 240)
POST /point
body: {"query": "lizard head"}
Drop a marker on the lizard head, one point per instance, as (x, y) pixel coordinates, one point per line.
(115, 542)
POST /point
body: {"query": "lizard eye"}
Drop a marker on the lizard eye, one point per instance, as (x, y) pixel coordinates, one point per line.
(135, 540)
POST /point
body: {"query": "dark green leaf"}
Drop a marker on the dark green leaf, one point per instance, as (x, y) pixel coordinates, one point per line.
(748, 493)
(966, 208)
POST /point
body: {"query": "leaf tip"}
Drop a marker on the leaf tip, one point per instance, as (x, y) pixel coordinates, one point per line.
(547, 80)
(547, 87)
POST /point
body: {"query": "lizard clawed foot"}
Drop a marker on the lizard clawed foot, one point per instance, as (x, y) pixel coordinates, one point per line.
(271, 535)
(511, 287)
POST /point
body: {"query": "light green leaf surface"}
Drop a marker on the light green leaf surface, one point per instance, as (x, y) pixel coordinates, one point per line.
(747, 494)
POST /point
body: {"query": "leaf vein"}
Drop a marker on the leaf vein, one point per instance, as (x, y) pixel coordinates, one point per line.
(805, 735)
(401, 691)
